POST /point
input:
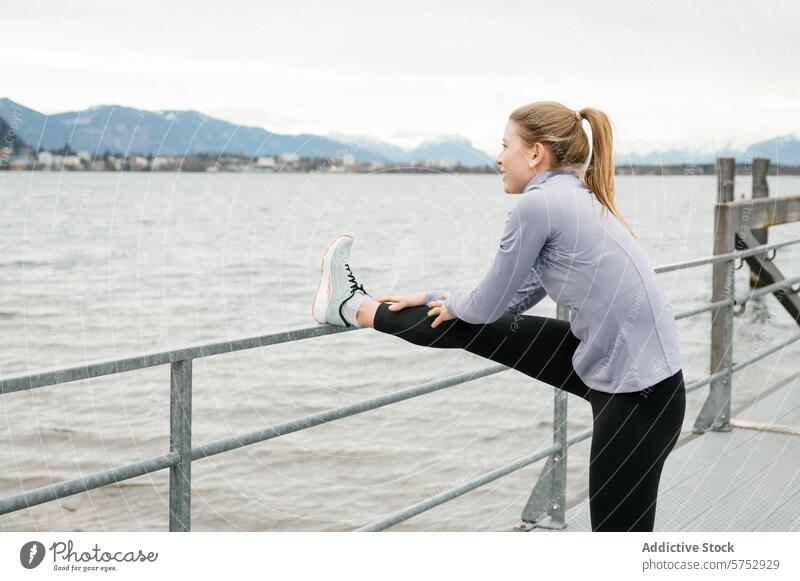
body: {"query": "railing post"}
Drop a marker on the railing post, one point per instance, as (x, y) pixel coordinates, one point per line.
(716, 411)
(180, 440)
(549, 494)
(760, 190)
(558, 512)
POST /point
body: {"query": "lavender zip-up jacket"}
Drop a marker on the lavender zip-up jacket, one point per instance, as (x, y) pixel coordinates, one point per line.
(558, 241)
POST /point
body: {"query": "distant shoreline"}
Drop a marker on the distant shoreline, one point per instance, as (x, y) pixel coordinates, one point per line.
(321, 168)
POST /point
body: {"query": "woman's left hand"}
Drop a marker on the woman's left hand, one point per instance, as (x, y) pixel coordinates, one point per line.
(439, 311)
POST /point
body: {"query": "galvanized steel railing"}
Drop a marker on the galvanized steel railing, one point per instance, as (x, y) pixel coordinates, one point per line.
(548, 495)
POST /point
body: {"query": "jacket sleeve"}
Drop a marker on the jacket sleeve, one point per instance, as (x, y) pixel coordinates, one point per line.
(432, 295)
(527, 229)
(530, 294)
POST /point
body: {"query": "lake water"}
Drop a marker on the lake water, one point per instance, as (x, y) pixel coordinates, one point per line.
(96, 265)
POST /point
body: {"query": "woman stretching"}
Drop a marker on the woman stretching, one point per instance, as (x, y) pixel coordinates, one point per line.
(563, 237)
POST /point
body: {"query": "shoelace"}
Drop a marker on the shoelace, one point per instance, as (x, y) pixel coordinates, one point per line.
(354, 286)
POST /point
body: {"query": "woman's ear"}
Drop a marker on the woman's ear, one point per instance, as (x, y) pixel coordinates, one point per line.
(539, 154)
(535, 155)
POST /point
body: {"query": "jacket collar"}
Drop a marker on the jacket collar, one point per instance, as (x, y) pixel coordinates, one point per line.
(542, 177)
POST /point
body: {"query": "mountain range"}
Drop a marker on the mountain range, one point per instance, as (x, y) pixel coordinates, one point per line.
(782, 150)
(120, 130)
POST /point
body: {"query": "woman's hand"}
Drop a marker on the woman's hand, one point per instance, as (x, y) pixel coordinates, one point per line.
(439, 311)
(400, 303)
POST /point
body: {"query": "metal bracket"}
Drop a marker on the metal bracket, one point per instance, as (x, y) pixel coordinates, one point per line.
(544, 497)
(712, 416)
(768, 273)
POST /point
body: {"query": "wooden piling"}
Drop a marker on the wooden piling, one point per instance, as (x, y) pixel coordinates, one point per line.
(715, 414)
(760, 190)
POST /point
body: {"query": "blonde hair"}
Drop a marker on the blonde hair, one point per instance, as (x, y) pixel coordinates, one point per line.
(559, 126)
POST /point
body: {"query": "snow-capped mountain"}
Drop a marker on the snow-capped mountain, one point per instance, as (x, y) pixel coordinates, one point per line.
(126, 130)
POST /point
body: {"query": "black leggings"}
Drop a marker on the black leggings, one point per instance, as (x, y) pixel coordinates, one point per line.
(633, 433)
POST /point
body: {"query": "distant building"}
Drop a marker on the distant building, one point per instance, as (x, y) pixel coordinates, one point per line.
(21, 163)
(288, 157)
(265, 162)
(72, 162)
(161, 162)
(44, 160)
(137, 162)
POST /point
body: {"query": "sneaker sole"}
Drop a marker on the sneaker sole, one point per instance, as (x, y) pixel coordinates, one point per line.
(320, 301)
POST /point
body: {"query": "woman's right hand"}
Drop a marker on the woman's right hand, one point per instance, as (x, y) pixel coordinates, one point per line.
(400, 303)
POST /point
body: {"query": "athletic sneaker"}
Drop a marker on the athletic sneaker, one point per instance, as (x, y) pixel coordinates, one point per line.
(337, 283)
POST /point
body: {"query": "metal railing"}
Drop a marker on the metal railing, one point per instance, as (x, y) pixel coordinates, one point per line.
(547, 497)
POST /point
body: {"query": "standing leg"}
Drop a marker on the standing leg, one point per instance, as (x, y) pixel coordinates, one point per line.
(632, 437)
(540, 347)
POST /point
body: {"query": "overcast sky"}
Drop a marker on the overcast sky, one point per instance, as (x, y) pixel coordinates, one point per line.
(670, 74)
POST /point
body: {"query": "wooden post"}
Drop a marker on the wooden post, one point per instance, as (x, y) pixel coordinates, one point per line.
(716, 412)
(760, 190)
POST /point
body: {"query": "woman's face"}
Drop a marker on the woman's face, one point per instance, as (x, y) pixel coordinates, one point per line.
(518, 162)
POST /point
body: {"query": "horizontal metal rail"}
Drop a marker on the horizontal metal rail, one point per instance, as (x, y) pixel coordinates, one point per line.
(770, 288)
(765, 353)
(702, 309)
(96, 480)
(452, 493)
(706, 380)
(234, 442)
(723, 257)
(114, 365)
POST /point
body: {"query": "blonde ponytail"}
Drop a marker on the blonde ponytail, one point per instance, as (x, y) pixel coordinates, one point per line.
(560, 126)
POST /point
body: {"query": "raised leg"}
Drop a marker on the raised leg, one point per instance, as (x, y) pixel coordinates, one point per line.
(540, 347)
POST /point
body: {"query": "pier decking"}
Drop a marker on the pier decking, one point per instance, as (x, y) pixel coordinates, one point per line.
(742, 480)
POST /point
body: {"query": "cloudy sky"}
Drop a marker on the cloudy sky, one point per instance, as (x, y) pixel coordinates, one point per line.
(670, 74)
